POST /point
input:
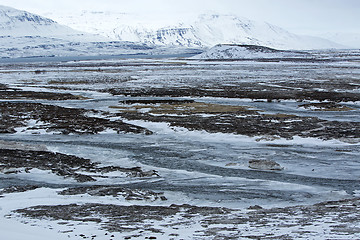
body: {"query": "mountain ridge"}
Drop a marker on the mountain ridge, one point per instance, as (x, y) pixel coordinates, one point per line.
(205, 31)
(18, 23)
(23, 34)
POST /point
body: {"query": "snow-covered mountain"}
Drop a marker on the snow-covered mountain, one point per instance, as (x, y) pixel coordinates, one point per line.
(17, 23)
(23, 34)
(232, 51)
(207, 30)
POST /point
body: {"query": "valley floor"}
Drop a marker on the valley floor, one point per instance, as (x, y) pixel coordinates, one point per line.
(181, 149)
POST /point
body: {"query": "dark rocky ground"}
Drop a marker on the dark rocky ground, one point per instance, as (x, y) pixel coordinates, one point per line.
(14, 93)
(244, 121)
(115, 191)
(58, 119)
(299, 222)
(97, 190)
(17, 189)
(18, 94)
(14, 161)
(325, 106)
(328, 92)
(283, 91)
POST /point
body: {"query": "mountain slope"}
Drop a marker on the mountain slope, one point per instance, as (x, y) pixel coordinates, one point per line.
(17, 23)
(215, 29)
(205, 31)
(23, 34)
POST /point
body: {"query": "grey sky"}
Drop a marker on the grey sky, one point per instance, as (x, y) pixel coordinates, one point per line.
(298, 16)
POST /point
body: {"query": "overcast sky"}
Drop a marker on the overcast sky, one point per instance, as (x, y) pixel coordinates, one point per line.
(298, 16)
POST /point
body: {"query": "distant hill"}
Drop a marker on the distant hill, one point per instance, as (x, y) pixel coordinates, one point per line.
(232, 51)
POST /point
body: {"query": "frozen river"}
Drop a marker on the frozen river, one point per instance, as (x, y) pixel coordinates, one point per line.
(87, 145)
(205, 166)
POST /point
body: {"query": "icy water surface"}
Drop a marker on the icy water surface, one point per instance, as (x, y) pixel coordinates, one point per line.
(196, 166)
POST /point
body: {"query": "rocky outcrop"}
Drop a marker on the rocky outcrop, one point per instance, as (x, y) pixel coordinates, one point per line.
(265, 165)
